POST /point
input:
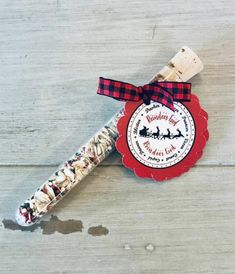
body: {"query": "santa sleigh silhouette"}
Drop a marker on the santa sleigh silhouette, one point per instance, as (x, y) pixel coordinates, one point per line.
(144, 132)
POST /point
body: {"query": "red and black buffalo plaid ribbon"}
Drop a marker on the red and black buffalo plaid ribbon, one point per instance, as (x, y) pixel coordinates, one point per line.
(162, 92)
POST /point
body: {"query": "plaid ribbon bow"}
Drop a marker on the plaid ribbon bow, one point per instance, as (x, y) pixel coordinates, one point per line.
(162, 92)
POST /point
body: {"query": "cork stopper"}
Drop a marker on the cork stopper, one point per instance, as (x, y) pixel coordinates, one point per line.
(183, 66)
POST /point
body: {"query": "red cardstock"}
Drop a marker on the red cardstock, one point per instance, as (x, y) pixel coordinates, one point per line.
(156, 142)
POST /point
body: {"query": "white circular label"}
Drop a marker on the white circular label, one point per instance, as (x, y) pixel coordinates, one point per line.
(159, 137)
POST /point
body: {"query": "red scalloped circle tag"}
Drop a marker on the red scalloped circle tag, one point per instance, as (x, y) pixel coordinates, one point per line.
(158, 143)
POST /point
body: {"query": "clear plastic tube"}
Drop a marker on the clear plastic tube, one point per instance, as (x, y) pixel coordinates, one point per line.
(184, 65)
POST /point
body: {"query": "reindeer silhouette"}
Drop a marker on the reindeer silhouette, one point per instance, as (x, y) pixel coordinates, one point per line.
(167, 136)
(156, 134)
(144, 132)
(178, 135)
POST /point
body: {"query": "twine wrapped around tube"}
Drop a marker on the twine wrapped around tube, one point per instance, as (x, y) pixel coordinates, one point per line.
(183, 66)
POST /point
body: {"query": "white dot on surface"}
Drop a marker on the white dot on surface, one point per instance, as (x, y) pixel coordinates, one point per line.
(150, 247)
(126, 247)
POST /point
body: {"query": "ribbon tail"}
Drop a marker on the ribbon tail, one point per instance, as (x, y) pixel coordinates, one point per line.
(118, 90)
